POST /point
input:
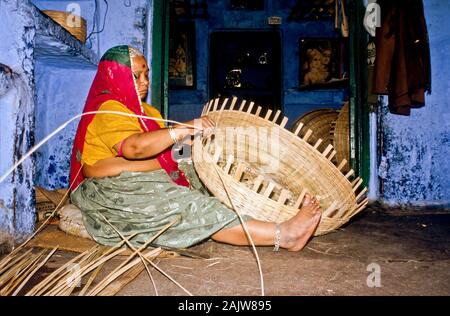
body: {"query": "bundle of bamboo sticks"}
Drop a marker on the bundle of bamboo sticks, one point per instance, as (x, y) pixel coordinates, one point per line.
(77, 276)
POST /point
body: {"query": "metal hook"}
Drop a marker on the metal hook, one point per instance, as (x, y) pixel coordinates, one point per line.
(127, 3)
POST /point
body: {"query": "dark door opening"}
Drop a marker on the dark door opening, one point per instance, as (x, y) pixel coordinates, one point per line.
(246, 64)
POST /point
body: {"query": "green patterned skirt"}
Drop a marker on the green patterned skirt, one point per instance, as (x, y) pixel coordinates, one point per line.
(145, 202)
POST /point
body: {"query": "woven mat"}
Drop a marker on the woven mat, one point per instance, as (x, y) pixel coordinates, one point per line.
(51, 236)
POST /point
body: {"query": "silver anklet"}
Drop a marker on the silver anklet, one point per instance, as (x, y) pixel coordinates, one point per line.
(277, 238)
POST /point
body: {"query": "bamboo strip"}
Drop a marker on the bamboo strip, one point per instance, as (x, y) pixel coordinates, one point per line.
(90, 280)
(299, 127)
(258, 183)
(52, 278)
(283, 196)
(268, 114)
(277, 114)
(241, 108)
(224, 103)
(269, 189)
(350, 173)
(284, 122)
(342, 164)
(317, 144)
(95, 290)
(361, 194)
(250, 107)
(239, 172)
(230, 161)
(216, 104)
(330, 209)
(331, 156)
(360, 207)
(307, 135)
(327, 150)
(258, 111)
(83, 271)
(356, 186)
(131, 247)
(21, 274)
(300, 198)
(208, 107)
(233, 103)
(119, 284)
(15, 270)
(14, 262)
(356, 180)
(41, 264)
(114, 275)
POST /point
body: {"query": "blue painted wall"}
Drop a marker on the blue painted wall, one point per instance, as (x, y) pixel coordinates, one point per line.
(17, 31)
(61, 89)
(62, 85)
(187, 104)
(415, 165)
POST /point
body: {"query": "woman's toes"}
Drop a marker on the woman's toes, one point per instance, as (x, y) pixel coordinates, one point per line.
(307, 199)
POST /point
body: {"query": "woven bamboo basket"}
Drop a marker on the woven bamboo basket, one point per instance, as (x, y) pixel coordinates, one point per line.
(340, 135)
(320, 122)
(266, 183)
(62, 18)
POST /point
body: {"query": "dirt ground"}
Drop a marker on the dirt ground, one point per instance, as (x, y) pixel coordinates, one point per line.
(411, 254)
(378, 253)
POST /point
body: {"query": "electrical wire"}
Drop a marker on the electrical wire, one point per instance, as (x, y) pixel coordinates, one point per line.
(64, 125)
(95, 20)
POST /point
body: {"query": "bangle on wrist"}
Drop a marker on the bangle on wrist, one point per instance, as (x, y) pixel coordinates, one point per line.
(172, 134)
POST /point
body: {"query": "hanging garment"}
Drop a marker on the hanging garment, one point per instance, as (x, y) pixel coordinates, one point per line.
(402, 65)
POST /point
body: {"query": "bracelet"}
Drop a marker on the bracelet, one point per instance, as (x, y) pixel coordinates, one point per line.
(277, 238)
(172, 134)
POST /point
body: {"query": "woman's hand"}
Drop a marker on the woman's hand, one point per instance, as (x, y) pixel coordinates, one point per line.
(202, 125)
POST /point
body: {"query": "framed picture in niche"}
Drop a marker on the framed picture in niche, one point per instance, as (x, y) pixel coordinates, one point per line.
(182, 56)
(320, 63)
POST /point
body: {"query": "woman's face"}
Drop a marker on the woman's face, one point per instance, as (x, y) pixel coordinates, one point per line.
(139, 67)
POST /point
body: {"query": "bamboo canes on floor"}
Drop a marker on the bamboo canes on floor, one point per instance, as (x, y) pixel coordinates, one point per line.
(131, 247)
(112, 276)
(41, 264)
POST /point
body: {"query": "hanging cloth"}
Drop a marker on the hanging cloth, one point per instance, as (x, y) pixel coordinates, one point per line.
(402, 65)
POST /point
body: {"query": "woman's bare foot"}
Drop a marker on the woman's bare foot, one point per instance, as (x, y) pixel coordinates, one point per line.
(296, 231)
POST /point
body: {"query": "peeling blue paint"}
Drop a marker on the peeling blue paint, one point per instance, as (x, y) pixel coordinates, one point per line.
(17, 121)
(417, 148)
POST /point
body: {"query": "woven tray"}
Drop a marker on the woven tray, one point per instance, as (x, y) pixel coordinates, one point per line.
(340, 135)
(257, 188)
(61, 17)
(320, 122)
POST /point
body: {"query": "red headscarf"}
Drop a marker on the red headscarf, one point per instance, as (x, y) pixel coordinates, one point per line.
(114, 81)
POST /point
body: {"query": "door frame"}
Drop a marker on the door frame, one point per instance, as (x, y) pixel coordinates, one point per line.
(160, 56)
(359, 111)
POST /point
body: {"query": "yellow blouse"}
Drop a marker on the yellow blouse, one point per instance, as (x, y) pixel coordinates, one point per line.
(107, 130)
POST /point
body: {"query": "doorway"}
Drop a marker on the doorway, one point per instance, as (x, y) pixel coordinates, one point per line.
(247, 65)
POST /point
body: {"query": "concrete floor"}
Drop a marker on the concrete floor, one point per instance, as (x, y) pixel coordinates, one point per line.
(411, 253)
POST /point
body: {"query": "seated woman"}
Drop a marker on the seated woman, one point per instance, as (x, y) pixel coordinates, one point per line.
(122, 170)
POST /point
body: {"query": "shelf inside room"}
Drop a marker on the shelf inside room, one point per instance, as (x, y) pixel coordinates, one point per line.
(54, 43)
